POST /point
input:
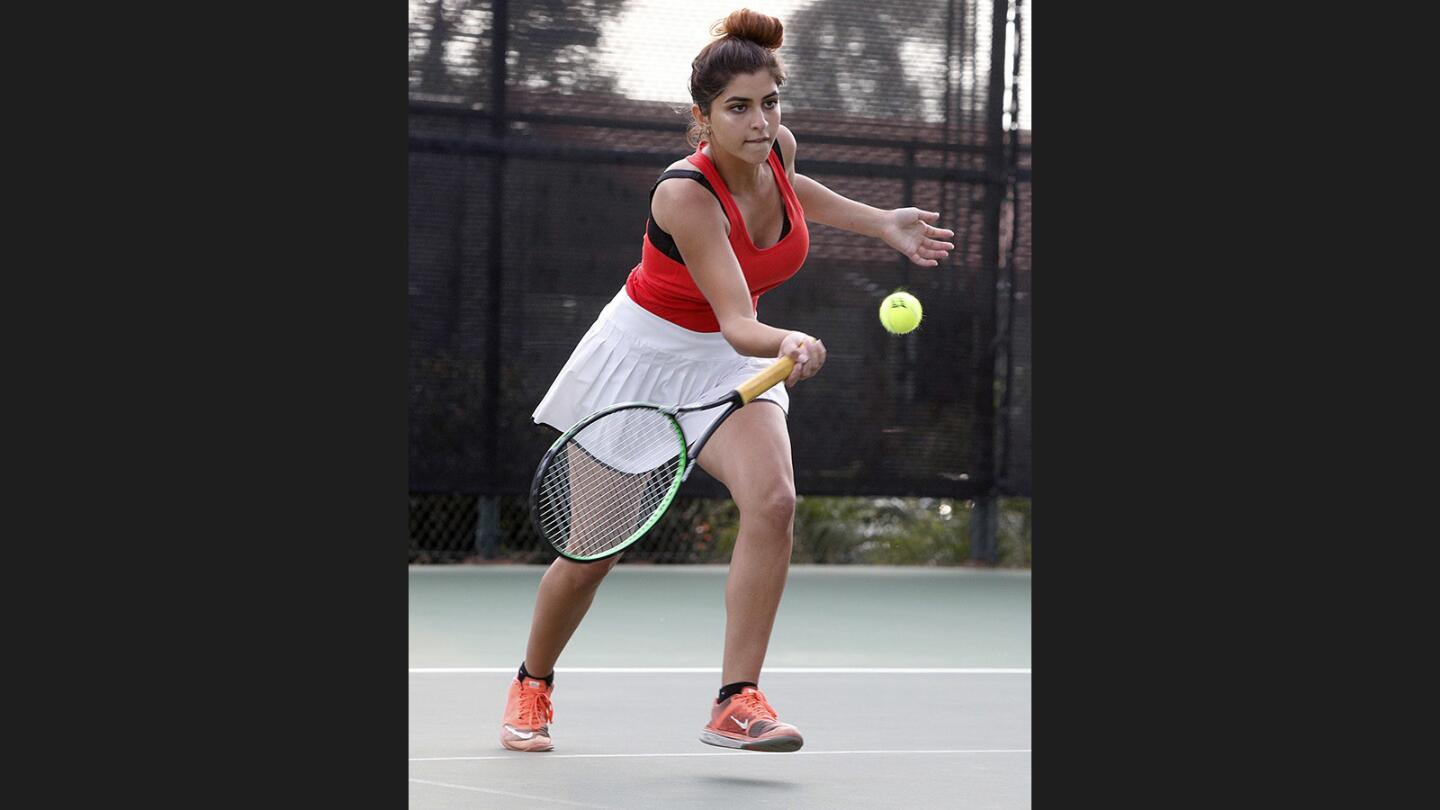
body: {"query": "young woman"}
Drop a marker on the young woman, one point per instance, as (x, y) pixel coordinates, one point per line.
(726, 224)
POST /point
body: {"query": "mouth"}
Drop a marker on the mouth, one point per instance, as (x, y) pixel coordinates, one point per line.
(759, 140)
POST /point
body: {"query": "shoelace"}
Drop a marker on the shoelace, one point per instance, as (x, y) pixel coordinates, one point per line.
(757, 705)
(535, 708)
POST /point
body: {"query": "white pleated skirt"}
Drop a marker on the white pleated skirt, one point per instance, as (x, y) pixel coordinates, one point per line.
(633, 355)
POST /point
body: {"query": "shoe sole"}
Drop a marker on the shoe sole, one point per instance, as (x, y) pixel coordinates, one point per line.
(774, 744)
(528, 745)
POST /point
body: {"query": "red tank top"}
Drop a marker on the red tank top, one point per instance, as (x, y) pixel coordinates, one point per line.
(665, 287)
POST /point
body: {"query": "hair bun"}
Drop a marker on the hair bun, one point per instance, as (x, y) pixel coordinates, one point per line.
(761, 29)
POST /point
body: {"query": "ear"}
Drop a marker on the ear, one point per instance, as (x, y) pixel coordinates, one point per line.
(697, 115)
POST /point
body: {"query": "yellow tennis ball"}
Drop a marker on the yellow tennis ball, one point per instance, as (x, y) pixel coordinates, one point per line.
(900, 312)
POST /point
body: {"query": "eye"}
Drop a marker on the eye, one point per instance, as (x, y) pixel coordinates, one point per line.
(772, 103)
(738, 108)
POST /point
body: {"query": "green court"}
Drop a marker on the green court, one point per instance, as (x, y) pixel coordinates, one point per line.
(911, 685)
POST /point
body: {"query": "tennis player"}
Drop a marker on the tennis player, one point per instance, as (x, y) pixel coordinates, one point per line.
(727, 224)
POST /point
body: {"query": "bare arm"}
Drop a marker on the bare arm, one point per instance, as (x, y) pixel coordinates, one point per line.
(908, 230)
(828, 208)
(688, 213)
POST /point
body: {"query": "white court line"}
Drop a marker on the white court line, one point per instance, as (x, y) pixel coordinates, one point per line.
(539, 757)
(507, 793)
(768, 670)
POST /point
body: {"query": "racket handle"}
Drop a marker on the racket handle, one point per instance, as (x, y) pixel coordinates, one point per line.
(765, 380)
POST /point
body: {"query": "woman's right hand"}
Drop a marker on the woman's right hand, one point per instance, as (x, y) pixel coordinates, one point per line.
(807, 352)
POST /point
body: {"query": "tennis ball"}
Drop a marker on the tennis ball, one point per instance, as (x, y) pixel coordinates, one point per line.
(900, 312)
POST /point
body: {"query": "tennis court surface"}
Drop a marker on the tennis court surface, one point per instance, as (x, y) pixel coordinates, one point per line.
(911, 686)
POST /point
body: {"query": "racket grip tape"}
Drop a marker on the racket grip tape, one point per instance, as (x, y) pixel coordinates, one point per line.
(765, 380)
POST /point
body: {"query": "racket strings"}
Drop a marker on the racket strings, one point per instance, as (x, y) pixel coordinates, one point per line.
(597, 524)
(591, 509)
(608, 481)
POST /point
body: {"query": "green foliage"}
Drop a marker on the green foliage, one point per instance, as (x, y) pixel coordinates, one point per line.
(832, 530)
(903, 531)
(878, 530)
(1012, 537)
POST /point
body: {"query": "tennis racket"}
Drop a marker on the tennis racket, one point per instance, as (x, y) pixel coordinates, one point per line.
(608, 479)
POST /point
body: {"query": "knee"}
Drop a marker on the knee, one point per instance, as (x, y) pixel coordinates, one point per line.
(586, 575)
(775, 507)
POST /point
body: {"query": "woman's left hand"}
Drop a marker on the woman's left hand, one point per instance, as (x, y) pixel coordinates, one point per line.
(909, 231)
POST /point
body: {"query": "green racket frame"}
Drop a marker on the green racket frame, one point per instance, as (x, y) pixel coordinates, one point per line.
(734, 400)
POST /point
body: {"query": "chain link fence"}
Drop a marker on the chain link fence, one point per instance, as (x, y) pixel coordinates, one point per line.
(451, 528)
(536, 130)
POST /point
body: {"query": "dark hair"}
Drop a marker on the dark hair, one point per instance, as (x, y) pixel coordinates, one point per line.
(747, 41)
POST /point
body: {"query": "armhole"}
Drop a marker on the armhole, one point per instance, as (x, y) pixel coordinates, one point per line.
(663, 241)
(784, 209)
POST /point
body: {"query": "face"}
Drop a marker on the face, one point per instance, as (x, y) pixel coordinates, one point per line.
(745, 117)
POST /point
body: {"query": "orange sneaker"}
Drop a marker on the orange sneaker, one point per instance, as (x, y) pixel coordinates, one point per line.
(526, 726)
(747, 722)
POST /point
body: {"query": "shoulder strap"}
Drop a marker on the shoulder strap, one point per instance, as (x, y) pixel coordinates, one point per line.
(698, 177)
(775, 147)
(702, 161)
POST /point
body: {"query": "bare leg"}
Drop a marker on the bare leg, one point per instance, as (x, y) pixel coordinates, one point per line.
(568, 587)
(566, 591)
(750, 455)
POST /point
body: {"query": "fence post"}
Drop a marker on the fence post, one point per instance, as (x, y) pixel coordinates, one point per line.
(987, 314)
(487, 528)
(984, 521)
